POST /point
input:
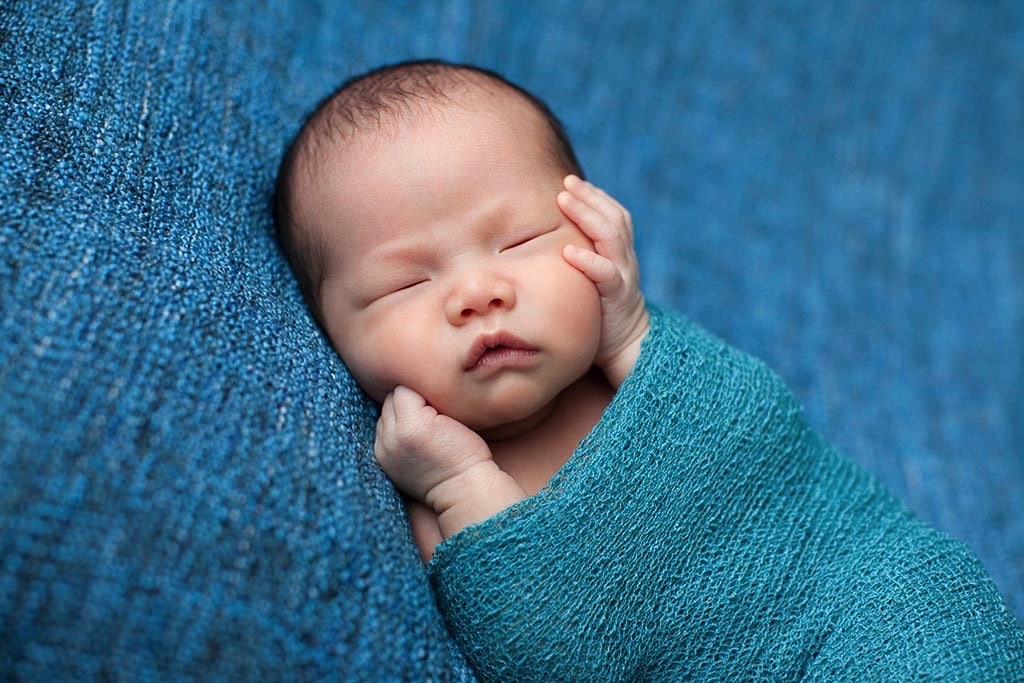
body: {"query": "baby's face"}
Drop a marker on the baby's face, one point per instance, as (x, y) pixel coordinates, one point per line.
(445, 271)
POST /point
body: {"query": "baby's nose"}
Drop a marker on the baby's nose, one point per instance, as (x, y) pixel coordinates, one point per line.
(478, 294)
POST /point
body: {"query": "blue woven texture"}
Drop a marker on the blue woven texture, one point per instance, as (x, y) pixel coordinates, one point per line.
(703, 532)
(187, 481)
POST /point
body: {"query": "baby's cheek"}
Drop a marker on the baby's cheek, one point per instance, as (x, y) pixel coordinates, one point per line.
(579, 288)
(444, 400)
(582, 309)
(390, 365)
(374, 368)
(372, 384)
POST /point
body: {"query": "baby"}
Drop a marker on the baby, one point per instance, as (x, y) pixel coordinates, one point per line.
(421, 205)
(602, 490)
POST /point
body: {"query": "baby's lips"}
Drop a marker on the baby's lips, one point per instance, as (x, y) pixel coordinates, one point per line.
(486, 342)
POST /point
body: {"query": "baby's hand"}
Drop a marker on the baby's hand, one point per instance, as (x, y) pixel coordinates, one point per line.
(440, 462)
(612, 266)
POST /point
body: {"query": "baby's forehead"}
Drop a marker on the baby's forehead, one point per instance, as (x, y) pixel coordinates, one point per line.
(328, 153)
(345, 165)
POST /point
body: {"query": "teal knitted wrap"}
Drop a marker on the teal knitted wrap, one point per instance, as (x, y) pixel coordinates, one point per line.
(703, 531)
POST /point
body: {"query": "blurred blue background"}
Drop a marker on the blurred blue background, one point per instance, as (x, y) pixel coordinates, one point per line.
(835, 187)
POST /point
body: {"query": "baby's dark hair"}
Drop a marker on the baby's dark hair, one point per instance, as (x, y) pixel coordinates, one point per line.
(367, 103)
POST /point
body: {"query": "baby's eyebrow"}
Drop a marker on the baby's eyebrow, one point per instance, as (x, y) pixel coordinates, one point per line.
(403, 253)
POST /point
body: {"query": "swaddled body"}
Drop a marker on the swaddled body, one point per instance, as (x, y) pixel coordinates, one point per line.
(702, 531)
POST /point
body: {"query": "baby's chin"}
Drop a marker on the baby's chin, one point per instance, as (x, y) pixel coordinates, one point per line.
(507, 410)
(506, 421)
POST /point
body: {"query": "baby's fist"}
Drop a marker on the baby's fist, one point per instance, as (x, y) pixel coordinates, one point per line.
(418, 448)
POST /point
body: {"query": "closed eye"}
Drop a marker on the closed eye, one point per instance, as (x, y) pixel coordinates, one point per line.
(527, 239)
(404, 287)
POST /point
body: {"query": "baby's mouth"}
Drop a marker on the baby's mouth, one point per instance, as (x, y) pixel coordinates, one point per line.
(497, 348)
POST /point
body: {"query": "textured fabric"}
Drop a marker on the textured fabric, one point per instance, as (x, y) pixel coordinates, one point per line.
(187, 489)
(702, 531)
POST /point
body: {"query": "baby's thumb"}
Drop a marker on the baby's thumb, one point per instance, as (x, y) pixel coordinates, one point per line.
(406, 400)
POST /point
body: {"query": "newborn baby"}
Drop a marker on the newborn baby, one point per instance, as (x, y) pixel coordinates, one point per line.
(461, 288)
(603, 491)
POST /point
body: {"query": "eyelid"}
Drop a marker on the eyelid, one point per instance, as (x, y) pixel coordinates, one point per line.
(402, 288)
(529, 238)
(410, 285)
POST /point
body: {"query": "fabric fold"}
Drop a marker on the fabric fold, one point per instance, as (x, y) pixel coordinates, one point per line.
(703, 531)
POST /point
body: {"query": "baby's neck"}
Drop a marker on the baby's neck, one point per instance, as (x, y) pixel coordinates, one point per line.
(532, 453)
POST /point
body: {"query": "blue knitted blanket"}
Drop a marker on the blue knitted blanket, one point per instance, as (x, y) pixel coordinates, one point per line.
(702, 531)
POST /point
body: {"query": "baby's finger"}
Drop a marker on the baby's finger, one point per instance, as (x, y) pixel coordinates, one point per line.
(380, 451)
(406, 402)
(620, 212)
(601, 271)
(385, 423)
(387, 411)
(591, 221)
(608, 241)
(614, 212)
(414, 426)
